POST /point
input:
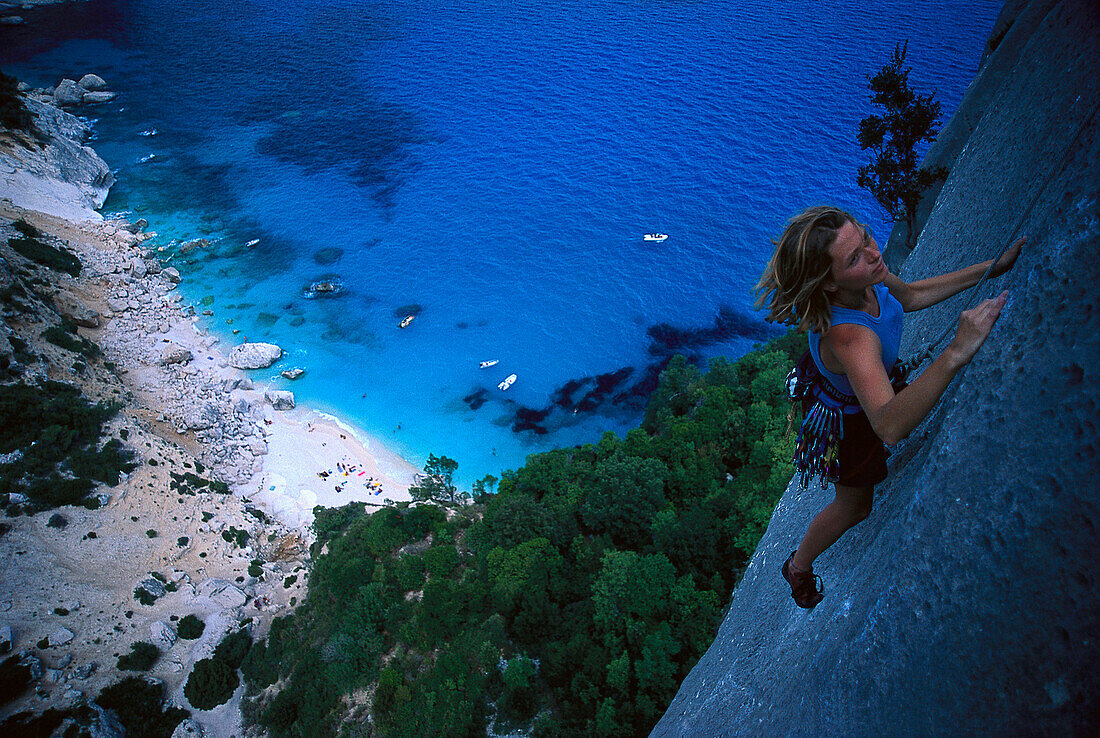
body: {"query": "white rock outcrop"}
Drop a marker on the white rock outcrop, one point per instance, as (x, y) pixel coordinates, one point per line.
(64, 177)
(254, 355)
(280, 399)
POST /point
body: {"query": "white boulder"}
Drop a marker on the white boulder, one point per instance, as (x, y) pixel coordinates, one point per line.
(174, 354)
(254, 355)
(280, 399)
(60, 637)
(91, 98)
(92, 82)
(68, 92)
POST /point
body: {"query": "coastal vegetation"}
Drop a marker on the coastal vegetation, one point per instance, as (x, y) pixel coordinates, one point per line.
(142, 656)
(893, 175)
(30, 244)
(213, 680)
(138, 705)
(13, 112)
(190, 627)
(571, 602)
(52, 439)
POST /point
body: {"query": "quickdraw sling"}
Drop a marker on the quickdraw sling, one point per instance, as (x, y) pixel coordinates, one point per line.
(823, 410)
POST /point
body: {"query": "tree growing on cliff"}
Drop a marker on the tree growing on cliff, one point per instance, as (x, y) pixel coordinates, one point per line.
(13, 113)
(908, 119)
(436, 484)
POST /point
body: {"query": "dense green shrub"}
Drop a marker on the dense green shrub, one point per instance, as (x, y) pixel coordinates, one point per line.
(31, 246)
(140, 707)
(58, 431)
(29, 725)
(233, 648)
(210, 684)
(142, 656)
(15, 677)
(233, 535)
(190, 627)
(144, 596)
(190, 484)
(66, 337)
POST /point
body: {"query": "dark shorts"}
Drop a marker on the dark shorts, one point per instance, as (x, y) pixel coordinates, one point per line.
(862, 454)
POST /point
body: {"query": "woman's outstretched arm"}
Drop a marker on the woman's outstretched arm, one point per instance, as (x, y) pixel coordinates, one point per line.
(926, 292)
(895, 416)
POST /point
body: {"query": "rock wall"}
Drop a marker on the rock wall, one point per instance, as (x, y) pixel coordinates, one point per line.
(61, 177)
(966, 604)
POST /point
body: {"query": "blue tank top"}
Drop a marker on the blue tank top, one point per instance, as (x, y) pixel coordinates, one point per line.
(887, 326)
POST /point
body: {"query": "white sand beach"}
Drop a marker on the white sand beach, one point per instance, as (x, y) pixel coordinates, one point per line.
(315, 459)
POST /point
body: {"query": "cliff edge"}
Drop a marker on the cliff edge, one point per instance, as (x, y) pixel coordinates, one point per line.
(966, 603)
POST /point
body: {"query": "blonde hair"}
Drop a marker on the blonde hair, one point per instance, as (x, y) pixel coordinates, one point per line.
(793, 284)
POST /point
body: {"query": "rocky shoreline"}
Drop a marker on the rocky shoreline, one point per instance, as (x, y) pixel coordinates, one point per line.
(187, 412)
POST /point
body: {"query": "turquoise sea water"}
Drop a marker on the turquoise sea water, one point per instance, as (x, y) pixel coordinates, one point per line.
(491, 168)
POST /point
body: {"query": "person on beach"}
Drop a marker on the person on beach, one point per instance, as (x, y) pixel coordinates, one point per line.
(827, 277)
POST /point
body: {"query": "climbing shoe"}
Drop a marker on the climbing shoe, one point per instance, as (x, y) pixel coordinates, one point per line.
(806, 588)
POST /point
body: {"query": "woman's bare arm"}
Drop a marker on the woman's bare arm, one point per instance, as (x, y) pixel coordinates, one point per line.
(926, 292)
(894, 416)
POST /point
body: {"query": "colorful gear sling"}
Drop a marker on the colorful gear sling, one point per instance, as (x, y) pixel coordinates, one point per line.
(822, 429)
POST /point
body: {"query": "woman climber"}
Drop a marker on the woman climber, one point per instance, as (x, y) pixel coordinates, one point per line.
(826, 276)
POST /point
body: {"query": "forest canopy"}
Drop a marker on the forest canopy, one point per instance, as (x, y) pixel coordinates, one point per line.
(570, 603)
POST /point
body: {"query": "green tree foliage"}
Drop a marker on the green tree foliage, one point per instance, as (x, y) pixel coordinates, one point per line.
(233, 649)
(211, 683)
(140, 707)
(520, 697)
(626, 492)
(908, 120)
(436, 484)
(190, 627)
(58, 431)
(570, 603)
(142, 656)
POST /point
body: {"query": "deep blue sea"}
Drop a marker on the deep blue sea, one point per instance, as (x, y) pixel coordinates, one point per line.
(491, 168)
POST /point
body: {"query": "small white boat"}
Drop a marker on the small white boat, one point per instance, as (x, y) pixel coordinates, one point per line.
(655, 237)
(487, 364)
(252, 243)
(405, 323)
(508, 382)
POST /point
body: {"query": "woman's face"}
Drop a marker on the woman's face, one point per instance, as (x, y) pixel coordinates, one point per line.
(857, 263)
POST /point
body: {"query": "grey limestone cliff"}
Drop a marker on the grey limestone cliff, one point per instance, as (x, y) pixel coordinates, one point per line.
(966, 604)
(56, 174)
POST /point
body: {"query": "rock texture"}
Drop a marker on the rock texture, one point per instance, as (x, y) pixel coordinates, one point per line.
(64, 177)
(254, 355)
(966, 604)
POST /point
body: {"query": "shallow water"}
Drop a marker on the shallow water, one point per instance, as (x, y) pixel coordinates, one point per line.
(491, 170)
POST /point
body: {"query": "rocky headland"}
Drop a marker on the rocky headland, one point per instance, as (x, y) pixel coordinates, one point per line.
(212, 519)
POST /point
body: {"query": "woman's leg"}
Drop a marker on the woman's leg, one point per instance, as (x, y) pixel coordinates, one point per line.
(850, 506)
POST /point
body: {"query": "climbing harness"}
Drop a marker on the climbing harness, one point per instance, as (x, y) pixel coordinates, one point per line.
(823, 406)
(823, 410)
